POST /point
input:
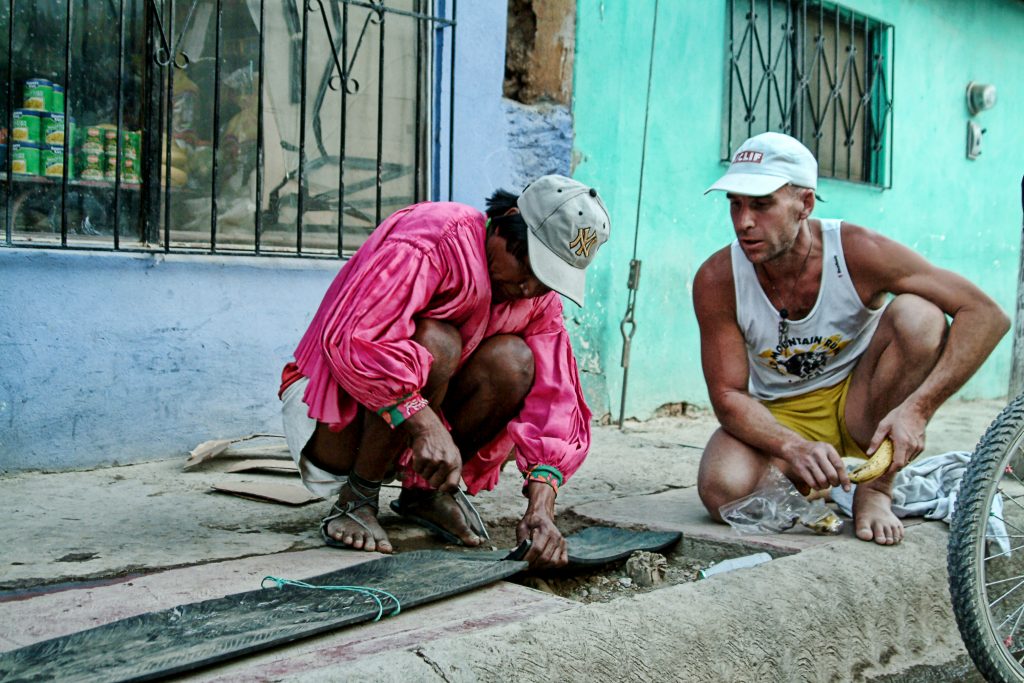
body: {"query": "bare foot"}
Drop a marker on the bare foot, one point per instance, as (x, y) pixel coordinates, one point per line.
(350, 532)
(441, 510)
(873, 517)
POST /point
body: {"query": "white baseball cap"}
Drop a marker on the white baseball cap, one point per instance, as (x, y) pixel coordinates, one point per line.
(566, 224)
(766, 162)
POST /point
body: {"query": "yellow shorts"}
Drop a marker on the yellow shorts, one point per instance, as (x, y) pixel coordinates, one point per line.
(819, 416)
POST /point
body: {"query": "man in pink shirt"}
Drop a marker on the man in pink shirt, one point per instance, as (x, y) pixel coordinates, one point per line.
(437, 352)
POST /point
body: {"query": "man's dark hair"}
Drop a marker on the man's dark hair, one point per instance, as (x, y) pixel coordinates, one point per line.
(512, 227)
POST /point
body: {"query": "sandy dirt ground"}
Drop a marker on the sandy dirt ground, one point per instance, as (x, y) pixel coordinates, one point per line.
(137, 520)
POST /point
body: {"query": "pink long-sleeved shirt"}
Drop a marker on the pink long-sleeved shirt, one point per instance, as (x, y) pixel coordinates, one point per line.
(429, 261)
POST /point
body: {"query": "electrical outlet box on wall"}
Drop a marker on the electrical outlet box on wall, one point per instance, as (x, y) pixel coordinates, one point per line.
(974, 133)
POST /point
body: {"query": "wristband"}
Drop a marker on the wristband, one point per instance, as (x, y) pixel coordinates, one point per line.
(545, 474)
(403, 410)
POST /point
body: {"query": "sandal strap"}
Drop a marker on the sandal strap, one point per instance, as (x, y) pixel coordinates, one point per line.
(364, 489)
(361, 500)
(347, 511)
(342, 513)
(469, 512)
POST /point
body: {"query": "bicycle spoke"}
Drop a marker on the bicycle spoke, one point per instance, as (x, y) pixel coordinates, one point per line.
(1012, 499)
(1013, 475)
(1007, 523)
(1009, 616)
(1008, 552)
(1003, 596)
(999, 581)
(1016, 623)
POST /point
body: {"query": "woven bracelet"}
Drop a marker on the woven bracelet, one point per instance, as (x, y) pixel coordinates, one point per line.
(545, 474)
(403, 410)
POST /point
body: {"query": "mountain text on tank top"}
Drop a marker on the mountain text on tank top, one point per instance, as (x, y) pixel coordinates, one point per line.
(822, 348)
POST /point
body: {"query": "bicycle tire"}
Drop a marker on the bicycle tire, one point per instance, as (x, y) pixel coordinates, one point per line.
(969, 547)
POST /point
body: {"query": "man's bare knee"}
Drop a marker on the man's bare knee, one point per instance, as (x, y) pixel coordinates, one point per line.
(508, 364)
(729, 470)
(444, 343)
(716, 491)
(919, 326)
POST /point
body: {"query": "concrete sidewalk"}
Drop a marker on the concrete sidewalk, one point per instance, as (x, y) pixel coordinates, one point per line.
(85, 548)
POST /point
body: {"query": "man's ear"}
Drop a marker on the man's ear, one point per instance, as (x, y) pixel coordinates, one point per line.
(808, 204)
(511, 212)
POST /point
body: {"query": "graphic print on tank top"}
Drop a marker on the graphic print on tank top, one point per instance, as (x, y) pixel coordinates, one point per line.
(803, 357)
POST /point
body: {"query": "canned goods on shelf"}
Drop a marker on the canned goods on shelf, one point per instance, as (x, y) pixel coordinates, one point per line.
(27, 125)
(38, 94)
(131, 144)
(25, 158)
(56, 101)
(52, 161)
(110, 171)
(110, 141)
(93, 140)
(129, 170)
(92, 165)
(53, 128)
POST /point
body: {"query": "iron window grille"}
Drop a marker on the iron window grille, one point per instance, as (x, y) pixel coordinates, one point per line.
(266, 127)
(819, 72)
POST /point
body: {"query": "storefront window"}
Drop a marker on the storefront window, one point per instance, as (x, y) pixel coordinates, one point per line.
(60, 118)
(214, 126)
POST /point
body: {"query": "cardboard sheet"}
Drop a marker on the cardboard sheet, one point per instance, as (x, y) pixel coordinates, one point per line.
(284, 494)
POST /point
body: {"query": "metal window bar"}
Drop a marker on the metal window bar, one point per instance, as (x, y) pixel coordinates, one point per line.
(302, 129)
(261, 141)
(9, 185)
(9, 152)
(120, 117)
(157, 201)
(65, 167)
(819, 72)
(168, 122)
(451, 108)
(214, 176)
(341, 143)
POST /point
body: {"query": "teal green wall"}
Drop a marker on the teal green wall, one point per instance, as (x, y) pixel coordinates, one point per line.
(961, 214)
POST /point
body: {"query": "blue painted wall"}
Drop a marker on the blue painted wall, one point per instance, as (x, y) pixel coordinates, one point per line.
(120, 358)
(111, 357)
(964, 215)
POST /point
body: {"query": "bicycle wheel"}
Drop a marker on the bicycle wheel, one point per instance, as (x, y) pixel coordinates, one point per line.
(985, 556)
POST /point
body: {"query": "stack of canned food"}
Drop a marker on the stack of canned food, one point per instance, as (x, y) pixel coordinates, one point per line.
(100, 154)
(38, 144)
(38, 135)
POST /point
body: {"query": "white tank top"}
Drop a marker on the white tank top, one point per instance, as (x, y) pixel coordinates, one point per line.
(823, 348)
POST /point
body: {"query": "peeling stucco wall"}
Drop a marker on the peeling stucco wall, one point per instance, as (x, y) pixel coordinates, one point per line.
(539, 50)
(539, 140)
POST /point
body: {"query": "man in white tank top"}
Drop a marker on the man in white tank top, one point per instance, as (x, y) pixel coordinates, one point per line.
(820, 338)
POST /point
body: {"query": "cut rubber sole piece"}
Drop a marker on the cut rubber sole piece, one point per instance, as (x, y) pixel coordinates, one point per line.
(187, 637)
(596, 545)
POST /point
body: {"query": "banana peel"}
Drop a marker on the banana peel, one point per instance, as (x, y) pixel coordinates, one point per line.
(876, 466)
